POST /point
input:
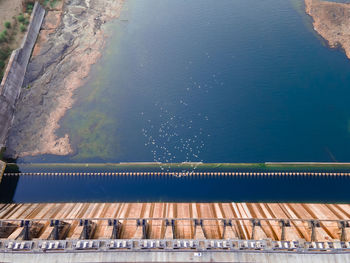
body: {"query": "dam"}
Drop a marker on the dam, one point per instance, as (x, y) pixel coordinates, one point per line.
(176, 226)
(162, 154)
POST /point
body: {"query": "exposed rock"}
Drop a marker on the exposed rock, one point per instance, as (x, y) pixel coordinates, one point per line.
(61, 60)
(332, 22)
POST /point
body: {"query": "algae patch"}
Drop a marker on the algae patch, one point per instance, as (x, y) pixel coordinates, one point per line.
(89, 137)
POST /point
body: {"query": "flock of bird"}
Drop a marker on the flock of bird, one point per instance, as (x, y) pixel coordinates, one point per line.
(173, 137)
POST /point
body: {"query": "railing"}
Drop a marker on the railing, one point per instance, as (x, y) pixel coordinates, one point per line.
(198, 246)
(275, 229)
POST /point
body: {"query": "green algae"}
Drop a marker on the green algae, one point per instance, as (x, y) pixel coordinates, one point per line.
(88, 135)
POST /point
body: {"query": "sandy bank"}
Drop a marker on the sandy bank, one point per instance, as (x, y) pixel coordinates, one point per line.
(70, 42)
(332, 22)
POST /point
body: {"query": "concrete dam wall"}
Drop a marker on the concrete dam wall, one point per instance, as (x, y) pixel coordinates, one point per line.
(11, 84)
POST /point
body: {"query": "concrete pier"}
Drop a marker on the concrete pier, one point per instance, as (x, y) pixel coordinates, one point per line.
(2, 169)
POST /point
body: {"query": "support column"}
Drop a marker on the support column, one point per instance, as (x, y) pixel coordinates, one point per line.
(142, 229)
(198, 229)
(169, 234)
(312, 225)
(283, 224)
(117, 226)
(342, 226)
(228, 232)
(89, 228)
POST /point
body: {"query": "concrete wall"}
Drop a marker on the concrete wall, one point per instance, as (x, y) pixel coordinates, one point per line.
(11, 84)
(2, 169)
(190, 256)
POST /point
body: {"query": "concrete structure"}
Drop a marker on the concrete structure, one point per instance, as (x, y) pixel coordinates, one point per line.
(189, 255)
(174, 232)
(244, 221)
(11, 84)
(2, 169)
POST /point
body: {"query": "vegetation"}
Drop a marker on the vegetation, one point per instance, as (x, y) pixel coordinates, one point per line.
(21, 18)
(9, 36)
(22, 28)
(7, 24)
(3, 36)
(30, 7)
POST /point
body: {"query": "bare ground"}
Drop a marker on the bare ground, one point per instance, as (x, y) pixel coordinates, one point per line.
(62, 61)
(332, 22)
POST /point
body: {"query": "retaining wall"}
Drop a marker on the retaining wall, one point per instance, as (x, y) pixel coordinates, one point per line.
(12, 81)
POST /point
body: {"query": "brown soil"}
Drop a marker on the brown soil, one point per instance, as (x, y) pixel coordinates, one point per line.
(8, 10)
(70, 42)
(332, 22)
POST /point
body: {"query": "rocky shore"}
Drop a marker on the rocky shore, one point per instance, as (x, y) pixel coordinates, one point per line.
(332, 21)
(70, 42)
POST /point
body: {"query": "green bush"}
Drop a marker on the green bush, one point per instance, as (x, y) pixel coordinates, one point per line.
(20, 18)
(2, 64)
(5, 53)
(26, 21)
(22, 28)
(7, 24)
(30, 7)
(3, 37)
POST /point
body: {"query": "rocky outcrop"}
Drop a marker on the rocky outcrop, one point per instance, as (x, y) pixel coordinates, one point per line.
(70, 42)
(332, 22)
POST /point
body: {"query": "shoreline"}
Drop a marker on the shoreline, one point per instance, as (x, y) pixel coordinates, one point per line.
(331, 20)
(70, 42)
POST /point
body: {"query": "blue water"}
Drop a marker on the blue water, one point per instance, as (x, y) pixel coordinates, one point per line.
(173, 189)
(212, 81)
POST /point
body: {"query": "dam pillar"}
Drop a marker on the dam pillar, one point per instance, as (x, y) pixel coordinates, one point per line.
(169, 233)
(257, 230)
(198, 229)
(312, 225)
(228, 232)
(283, 224)
(142, 229)
(342, 226)
(117, 226)
(89, 228)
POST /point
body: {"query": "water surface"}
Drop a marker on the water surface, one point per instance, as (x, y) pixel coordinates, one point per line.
(212, 81)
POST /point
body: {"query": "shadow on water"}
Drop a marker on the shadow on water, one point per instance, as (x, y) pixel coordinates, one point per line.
(102, 183)
(8, 185)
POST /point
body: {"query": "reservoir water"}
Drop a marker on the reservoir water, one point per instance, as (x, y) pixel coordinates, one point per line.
(125, 183)
(211, 81)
